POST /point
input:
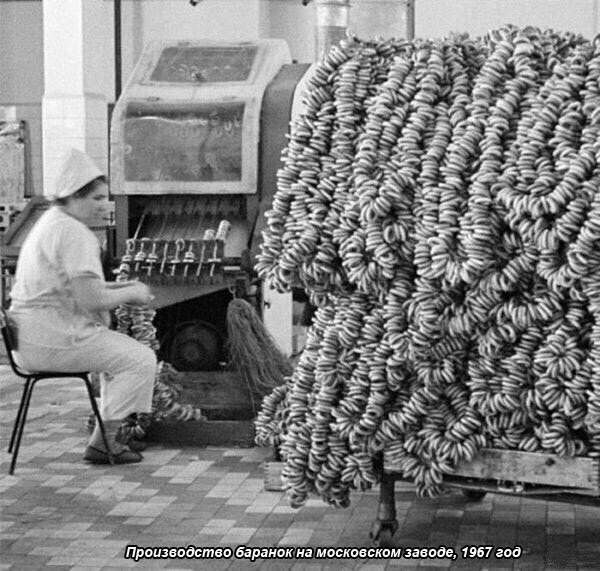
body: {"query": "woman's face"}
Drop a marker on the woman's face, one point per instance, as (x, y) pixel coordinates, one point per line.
(92, 210)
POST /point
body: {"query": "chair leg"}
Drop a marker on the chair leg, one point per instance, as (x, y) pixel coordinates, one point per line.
(19, 429)
(98, 417)
(19, 413)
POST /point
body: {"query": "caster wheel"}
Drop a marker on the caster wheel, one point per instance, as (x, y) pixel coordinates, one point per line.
(474, 495)
(384, 539)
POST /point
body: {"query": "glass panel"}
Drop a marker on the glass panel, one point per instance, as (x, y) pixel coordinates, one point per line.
(201, 143)
(204, 64)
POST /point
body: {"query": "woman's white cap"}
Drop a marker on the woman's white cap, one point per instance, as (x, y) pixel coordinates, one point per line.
(76, 171)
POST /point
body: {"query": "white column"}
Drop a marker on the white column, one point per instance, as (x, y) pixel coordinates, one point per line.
(277, 316)
(78, 80)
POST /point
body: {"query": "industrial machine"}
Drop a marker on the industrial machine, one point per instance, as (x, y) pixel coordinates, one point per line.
(195, 145)
(196, 138)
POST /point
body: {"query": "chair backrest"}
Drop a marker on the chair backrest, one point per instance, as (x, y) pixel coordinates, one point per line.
(9, 335)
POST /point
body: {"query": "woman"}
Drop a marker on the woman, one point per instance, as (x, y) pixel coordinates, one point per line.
(60, 303)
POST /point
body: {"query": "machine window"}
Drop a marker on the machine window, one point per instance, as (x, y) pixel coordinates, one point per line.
(202, 144)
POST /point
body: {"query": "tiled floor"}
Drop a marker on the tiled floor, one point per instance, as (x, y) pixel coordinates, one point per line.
(58, 512)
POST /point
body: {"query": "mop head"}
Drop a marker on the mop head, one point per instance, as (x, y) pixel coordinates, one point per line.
(252, 351)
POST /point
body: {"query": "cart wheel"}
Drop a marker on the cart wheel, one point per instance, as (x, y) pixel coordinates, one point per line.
(384, 538)
(382, 532)
(474, 495)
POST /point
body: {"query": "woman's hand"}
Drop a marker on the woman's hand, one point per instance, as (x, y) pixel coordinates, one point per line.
(104, 318)
(95, 295)
(139, 293)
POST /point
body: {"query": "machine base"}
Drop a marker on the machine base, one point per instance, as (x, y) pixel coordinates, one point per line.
(204, 433)
(224, 401)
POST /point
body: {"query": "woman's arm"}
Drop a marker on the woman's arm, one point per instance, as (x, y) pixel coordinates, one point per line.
(93, 294)
(119, 285)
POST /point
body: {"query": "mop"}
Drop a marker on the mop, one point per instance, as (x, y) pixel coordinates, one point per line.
(253, 352)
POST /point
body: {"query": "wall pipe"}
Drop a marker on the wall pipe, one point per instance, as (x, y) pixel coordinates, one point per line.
(333, 16)
(410, 20)
(332, 23)
(117, 30)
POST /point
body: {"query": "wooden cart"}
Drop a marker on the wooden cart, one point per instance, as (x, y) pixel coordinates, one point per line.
(532, 474)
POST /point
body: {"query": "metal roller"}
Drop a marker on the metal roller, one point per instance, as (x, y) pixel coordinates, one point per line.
(176, 260)
(164, 257)
(141, 254)
(209, 236)
(152, 257)
(222, 232)
(189, 258)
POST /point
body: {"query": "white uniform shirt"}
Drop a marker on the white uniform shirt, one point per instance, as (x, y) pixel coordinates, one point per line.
(58, 249)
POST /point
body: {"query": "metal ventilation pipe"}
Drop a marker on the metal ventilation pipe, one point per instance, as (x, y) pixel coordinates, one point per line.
(365, 18)
(332, 23)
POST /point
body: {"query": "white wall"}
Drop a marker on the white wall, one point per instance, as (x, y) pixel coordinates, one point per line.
(78, 83)
(78, 46)
(147, 20)
(22, 76)
(264, 19)
(434, 18)
(295, 24)
(22, 52)
(98, 48)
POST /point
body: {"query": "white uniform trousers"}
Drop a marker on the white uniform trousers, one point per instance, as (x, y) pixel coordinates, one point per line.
(131, 365)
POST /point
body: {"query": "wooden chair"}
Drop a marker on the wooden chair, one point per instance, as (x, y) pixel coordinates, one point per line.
(9, 335)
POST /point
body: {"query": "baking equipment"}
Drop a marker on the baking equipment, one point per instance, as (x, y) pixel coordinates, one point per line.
(195, 143)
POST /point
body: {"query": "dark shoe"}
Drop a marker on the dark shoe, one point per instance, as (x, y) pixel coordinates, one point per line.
(96, 456)
(137, 445)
